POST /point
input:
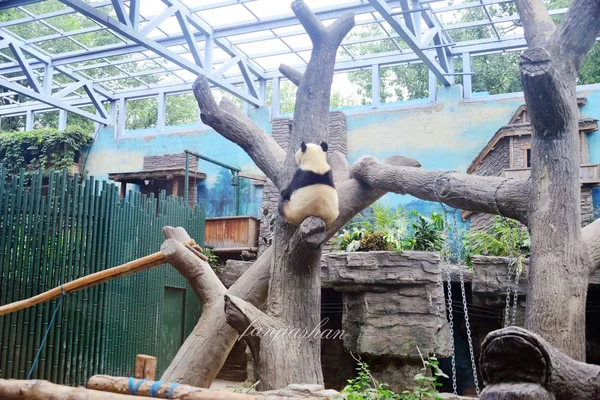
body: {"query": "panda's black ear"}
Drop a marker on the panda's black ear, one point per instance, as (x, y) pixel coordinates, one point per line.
(303, 146)
(324, 146)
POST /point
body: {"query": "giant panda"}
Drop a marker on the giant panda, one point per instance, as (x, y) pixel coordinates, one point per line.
(311, 191)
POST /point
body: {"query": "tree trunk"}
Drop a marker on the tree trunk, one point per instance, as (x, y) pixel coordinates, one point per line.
(558, 273)
(558, 277)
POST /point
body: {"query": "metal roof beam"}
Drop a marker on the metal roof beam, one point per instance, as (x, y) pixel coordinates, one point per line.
(50, 101)
(156, 47)
(409, 38)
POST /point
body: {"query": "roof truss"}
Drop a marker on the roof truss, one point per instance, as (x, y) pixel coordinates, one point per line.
(229, 53)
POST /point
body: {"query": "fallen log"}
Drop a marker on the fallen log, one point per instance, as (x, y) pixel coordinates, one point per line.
(44, 390)
(519, 365)
(122, 385)
(87, 281)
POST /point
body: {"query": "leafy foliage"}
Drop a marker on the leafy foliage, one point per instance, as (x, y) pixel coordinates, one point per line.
(213, 260)
(392, 224)
(42, 148)
(364, 386)
(374, 241)
(506, 239)
(427, 232)
(383, 228)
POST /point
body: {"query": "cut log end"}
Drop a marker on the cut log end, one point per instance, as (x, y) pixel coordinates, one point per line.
(313, 232)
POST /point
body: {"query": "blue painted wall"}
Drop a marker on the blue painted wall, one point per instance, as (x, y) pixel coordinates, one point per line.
(126, 153)
(592, 110)
(445, 135)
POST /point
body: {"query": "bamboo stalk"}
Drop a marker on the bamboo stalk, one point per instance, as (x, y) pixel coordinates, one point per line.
(94, 279)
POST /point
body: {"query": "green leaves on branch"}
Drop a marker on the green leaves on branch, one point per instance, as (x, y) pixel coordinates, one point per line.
(42, 148)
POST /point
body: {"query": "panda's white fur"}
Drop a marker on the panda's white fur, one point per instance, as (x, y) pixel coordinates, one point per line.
(311, 191)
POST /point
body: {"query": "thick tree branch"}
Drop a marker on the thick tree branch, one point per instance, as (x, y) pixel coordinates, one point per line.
(578, 31)
(292, 74)
(590, 235)
(537, 24)
(490, 195)
(311, 115)
(203, 280)
(262, 148)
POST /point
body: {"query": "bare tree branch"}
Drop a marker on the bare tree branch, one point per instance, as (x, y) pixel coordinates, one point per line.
(590, 236)
(311, 114)
(485, 194)
(262, 148)
(537, 24)
(292, 74)
(578, 31)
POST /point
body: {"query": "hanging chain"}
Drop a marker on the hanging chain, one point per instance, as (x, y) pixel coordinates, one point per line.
(465, 307)
(508, 290)
(451, 323)
(515, 297)
(464, 296)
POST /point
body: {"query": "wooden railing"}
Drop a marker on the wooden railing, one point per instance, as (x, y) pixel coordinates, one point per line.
(589, 173)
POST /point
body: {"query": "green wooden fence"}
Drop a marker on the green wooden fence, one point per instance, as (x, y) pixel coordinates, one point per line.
(55, 229)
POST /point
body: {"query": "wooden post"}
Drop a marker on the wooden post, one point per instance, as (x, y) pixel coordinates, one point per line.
(123, 189)
(145, 367)
(175, 187)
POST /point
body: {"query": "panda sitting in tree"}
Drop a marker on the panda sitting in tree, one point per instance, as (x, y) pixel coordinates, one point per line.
(311, 191)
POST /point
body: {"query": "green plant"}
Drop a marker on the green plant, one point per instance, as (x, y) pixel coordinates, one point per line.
(349, 239)
(505, 239)
(427, 233)
(42, 149)
(364, 386)
(390, 223)
(213, 260)
(374, 241)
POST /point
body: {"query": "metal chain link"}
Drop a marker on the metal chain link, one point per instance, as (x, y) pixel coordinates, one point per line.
(464, 300)
(515, 298)
(451, 323)
(508, 290)
(465, 308)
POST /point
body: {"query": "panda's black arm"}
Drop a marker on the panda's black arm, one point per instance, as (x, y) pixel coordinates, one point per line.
(294, 184)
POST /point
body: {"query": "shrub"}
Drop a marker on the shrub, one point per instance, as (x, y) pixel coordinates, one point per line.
(365, 386)
(374, 241)
(427, 233)
(42, 149)
(506, 239)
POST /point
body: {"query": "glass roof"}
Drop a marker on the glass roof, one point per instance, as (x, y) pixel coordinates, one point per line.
(255, 34)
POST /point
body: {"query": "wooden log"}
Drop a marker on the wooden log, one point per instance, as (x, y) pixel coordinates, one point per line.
(145, 367)
(87, 281)
(120, 385)
(43, 390)
(518, 364)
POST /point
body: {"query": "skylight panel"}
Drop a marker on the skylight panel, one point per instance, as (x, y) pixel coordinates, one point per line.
(70, 22)
(305, 55)
(96, 39)
(263, 47)
(45, 7)
(150, 8)
(298, 41)
(219, 55)
(272, 62)
(250, 36)
(264, 9)
(315, 5)
(30, 30)
(186, 75)
(58, 46)
(228, 15)
(293, 29)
